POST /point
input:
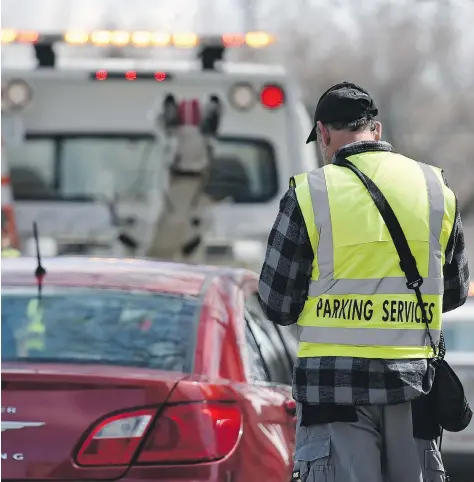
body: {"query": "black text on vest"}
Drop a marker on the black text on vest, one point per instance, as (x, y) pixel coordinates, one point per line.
(352, 309)
(405, 311)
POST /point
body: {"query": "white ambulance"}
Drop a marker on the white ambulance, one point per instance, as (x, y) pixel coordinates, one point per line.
(85, 161)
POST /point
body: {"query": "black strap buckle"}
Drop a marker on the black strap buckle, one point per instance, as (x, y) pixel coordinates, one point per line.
(296, 476)
(436, 360)
(413, 285)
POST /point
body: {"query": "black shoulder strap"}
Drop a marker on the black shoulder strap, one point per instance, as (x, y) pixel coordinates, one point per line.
(407, 260)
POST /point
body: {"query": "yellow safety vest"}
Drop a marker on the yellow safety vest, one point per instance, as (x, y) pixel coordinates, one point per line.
(10, 253)
(358, 303)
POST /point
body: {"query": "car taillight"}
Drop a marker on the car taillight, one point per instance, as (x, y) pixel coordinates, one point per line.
(192, 432)
(115, 440)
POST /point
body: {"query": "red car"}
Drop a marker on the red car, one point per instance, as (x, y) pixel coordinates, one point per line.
(136, 370)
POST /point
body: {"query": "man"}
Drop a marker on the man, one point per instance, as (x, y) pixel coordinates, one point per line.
(331, 267)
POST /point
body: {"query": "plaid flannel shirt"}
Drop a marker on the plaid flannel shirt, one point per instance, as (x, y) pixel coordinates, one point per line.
(283, 289)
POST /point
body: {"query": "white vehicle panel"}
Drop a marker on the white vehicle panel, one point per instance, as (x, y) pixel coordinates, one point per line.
(458, 326)
(69, 101)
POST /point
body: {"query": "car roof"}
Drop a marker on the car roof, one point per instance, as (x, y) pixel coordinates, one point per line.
(462, 314)
(120, 273)
(457, 358)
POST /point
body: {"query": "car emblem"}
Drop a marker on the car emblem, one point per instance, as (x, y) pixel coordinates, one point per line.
(18, 425)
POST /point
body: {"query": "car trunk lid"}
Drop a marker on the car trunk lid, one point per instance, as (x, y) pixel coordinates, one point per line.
(48, 410)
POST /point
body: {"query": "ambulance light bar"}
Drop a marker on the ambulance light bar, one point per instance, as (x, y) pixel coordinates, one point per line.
(211, 48)
(117, 38)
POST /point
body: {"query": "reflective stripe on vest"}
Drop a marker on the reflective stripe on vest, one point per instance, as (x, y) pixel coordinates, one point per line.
(366, 336)
(380, 316)
(327, 285)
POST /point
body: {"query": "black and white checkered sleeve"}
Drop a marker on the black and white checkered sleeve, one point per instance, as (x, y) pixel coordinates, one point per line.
(286, 271)
(456, 267)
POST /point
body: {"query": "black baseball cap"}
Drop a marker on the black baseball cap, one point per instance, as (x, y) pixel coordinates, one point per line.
(344, 102)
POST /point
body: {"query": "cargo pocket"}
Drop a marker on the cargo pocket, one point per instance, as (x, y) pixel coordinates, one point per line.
(434, 469)
(312, 459)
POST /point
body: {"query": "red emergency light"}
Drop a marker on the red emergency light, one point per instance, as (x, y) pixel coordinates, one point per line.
(101, 75)
(130, 75)
(272, 96)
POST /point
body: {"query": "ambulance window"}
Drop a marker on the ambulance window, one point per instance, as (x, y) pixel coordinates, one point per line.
(112, 166)
(31, 169)
(243, 170)
(86, 166)
(83, 167)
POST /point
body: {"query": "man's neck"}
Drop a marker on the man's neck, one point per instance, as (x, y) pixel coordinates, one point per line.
(363, 146)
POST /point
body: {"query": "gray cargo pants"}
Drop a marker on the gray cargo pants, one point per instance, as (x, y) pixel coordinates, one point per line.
(379, 447)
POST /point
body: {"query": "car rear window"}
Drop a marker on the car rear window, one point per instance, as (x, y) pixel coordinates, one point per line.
(139, 329)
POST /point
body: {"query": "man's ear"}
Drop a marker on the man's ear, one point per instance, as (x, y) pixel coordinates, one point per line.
(325, 138)
(378, 131)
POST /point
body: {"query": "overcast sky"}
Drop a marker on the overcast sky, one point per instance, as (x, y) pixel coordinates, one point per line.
(189, 15)
(221, 16)
(132, 14)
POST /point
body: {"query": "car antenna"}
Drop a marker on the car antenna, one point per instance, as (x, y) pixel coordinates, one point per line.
(40, 272)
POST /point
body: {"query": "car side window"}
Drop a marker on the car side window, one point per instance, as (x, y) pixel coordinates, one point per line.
(274, 352)
(289, 335)
(259, 371)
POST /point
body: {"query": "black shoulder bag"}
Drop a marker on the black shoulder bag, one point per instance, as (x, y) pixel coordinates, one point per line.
(446, 406)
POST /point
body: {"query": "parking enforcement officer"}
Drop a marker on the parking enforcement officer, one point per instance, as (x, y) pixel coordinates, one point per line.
(332, 268)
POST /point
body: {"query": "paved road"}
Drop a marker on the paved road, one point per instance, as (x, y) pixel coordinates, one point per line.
(459, 470)
(465, 478)
(460, 477)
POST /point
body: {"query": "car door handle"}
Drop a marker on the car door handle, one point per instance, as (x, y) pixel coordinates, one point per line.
(290, 407)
